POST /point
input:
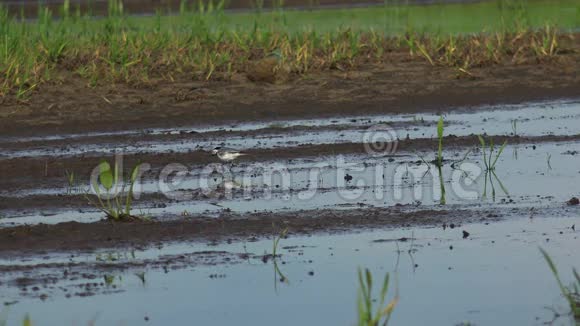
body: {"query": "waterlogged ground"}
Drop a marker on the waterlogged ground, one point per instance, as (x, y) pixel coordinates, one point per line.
(298, 165)
(357, 191)
(496, 274)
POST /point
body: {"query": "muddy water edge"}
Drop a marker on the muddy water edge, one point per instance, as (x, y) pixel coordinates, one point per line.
(204, 252)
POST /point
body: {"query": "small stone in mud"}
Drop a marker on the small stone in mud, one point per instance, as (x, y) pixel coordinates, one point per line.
(452, 226)
(465, 234)
(574, 201)
(348, 178)
(450, 247)
(146, 318)
(573, 227)
(311, 273)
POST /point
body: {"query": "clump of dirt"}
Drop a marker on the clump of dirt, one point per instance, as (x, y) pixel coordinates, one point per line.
(574, 201)
(269, 70)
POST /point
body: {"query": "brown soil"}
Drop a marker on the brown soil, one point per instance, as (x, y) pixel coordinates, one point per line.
(89, 236)
(402, 85)
(47, 172)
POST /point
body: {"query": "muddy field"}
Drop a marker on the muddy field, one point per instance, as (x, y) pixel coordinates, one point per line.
(344, 164)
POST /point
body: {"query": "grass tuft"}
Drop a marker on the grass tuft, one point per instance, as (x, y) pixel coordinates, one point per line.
(110, 192)
(204, 42)
(367, 315)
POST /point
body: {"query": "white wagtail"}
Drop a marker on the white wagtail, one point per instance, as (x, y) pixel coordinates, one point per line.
(227, 154)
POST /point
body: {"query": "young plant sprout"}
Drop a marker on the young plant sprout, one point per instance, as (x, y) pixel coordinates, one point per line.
(119, 207)
(572, 292)
(277, 271)
(490, 161)
(70, 177)
(367, 315)
(440, 129)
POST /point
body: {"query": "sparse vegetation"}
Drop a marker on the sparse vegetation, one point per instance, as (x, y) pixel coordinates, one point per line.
(440, 129)
(490, 161)
(114, 201)
(204, 42)
(277, 271)
(367, 315)
(26, 321)
(572, 292)
(70, 178)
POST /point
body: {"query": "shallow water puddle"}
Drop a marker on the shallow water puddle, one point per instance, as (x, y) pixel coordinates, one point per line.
(496, 274)
(532, 119)
(532, 175)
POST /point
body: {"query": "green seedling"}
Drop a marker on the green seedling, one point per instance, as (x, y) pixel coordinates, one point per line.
(548, 160)
(438, 162)
(440, 129)
(119, 207)
(109, 279)
(515, 127)
(70, 178)
(490, 162)
(367, 315)
(571, 293)
(277, 271)
(25, 322)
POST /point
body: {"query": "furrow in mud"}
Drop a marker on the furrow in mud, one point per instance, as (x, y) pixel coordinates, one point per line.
(530, 120)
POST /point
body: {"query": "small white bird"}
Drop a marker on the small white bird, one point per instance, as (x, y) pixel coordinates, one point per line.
(227, 154)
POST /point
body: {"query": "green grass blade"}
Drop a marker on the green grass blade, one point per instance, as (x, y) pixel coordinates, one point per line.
(554, 270)
(440, 129)
(499, 153)
(482, 142)
(503, 188)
